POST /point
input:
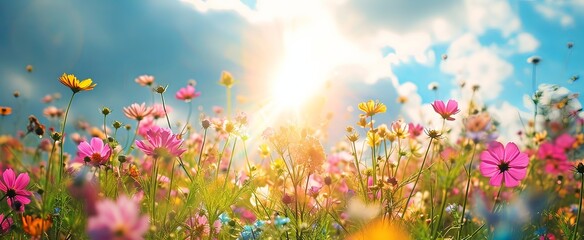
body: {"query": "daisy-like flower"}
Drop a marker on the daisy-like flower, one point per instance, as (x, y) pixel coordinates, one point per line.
(161, 143)
(72, 82)
(95, 152)
(372, 107)
(15, 189)
(226, 79)
(446, 110)
(137, 111)
(34, 226)
(4, 111)
(187, 93)
(5, 223)
(504, 164)
(117, 220)
(145, 80)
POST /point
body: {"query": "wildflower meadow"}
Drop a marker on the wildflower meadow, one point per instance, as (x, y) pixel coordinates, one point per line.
(384, 180)
(189, 159)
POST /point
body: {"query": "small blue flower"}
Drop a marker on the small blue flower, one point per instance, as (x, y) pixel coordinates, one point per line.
(259, 224)
(224, 218)
(280, 221)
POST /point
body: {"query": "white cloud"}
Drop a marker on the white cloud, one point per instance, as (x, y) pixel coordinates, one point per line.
(557, 11)
(488, 14)
(523, 43)
(468, 60)
(511, 121)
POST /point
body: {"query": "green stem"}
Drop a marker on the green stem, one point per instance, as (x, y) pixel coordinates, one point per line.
(188, 118)
(129, 150)
(575, 232)
(61, 158)
(359, 171)
(468, 175)
(230, 161)
(417, 178)
(165, 112)
(220, 157)
(201, 152)
(442, 206)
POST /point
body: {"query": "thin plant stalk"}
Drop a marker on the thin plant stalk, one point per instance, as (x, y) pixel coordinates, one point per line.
(61, 158)
(417, 177)
(468, 175)
(201, 152)
(575, 232)
(230, 161)
(165, 112)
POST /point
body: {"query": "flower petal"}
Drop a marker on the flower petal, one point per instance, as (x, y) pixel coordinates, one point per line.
(496, 180)
(22, 181)
(8, 177)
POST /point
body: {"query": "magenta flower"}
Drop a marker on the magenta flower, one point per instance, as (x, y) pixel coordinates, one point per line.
(160, 143)
(117, 220)
(504, 164)
(187, 93)
(556, 160)
(5, 223)
(446, 111)
(15, 189)
(137, 111)
(565, 141)
(95, 153)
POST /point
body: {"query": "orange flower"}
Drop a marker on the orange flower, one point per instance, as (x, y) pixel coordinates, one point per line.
(372, 107)
(72, 82)
(35, 226)
(5, 111)
(379, 230)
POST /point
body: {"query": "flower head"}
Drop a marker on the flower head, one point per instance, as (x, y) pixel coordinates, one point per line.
(145, 80)
(372, 107)
(4, 111)
(35, 226)
(117, 220)
(15, 189)
(160, 143)
(504, 164)
(72, 82)
(226, 79)
(187, 93)
(446, 110)
(96, 152)
(137, 112)
(5, 223)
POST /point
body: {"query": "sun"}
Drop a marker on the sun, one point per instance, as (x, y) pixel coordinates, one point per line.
(301, 74)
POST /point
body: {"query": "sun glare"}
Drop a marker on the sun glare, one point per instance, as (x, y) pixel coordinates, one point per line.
(301, 74)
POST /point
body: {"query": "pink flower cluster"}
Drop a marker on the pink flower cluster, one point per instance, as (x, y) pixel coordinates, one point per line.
(554, 154)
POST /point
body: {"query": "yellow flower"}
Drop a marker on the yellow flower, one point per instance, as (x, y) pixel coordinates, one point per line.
(226, 79)
(373, 138)
(540, 137)
(264, 150)
(372, 107)
(72, 82)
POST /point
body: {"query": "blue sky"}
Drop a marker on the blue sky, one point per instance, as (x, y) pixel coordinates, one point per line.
(288, 49)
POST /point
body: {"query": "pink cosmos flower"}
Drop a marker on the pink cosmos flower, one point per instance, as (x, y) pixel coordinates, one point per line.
(160, 143)
(146, 124)
(198, 227)
(415, 130)
(145, 80)
(446, 111)
(5, 223)
(158, 111)
(504, 164)
(556, 161)
(565, 141)
(95, 153)
(117, 220)
(137, 112)
(187, 93)
(15, 189)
